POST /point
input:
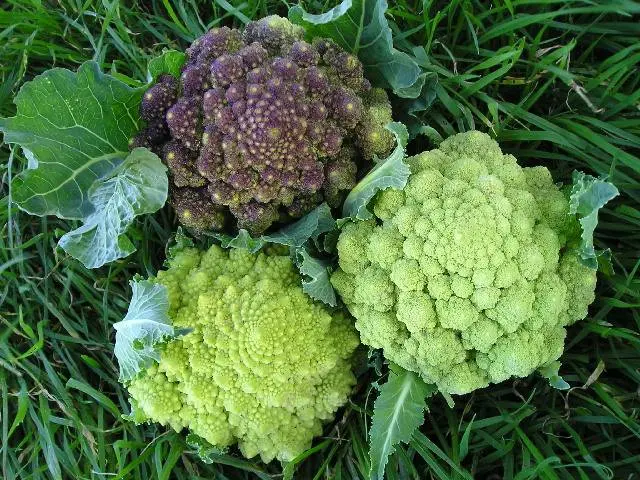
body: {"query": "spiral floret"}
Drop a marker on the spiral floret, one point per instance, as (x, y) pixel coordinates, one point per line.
(262, 366)
(269, 124)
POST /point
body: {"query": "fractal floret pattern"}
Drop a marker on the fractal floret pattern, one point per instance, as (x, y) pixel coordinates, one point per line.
(261, 365)
(263, 125)
(468, 276)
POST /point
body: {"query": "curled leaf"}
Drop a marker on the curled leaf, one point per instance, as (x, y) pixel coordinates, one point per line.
(301, 237)
(551, 373)
(588, 195)
(311, 226)
(145, 326)
(391, 172)
(74, 129)
(137, 186)
(316, 277)
(242, 240)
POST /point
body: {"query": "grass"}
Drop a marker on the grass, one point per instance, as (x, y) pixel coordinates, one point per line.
(556, 82)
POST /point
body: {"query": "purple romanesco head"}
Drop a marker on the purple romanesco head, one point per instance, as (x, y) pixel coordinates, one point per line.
(263, 126)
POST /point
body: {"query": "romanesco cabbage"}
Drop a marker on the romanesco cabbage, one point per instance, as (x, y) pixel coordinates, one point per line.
(470, 276)
(261, 365)
(263, 126)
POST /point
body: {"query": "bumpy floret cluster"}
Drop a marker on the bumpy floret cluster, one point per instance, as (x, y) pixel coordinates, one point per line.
(262, 365)
(469, 278)
(264, 125)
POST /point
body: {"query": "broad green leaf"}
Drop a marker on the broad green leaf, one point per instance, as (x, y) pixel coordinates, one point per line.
(74, 128)
(392, 172)
(551, 373)
(311, 226)
(360, 27)
(315, 280)
(242, 240)
(588, 196)
(169, 62)
(137, 186)
(397, 413)
(143, 329)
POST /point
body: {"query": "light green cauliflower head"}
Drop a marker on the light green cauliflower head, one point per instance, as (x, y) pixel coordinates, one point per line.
(467, 277)
(263, 365)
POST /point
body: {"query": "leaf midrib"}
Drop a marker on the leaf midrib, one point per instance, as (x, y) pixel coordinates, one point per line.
(76, 172)
(406, 389)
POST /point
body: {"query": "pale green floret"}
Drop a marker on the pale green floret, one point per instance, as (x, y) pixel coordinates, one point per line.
(461, 286)
(481, 335)
(405, 219)
(412, 247)
(388, 202)
(375, 289)
(262, 366)
(439, 287)
(456, 313)
(416, 311)
(469, 276)
(385, 247)
(485, 297)
(406, 275)
(354, 246)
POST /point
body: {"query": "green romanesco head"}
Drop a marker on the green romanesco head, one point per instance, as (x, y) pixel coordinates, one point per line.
(467, 276)
(263, 365)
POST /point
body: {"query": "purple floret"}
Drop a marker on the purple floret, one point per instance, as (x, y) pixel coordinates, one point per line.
(304, 204)
(272, 32)
(184, 120)
(195, 80)
(213, 101)
(226, 69)
(217, 42)
(221, 193)
(180, 161)
(312, 180)
(195, 210)
(317, 81)
(236, 91)
(284, 68)
(304, 54)
(254, 216)
(253, 55)
(157, 100)
(346, 107)
(331, 142)
(347, 67)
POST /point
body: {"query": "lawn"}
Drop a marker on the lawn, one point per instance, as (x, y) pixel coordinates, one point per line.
(557, 83)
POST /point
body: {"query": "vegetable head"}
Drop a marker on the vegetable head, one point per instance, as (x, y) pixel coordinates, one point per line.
(268, 125)
(261, 365)
(469, 276)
